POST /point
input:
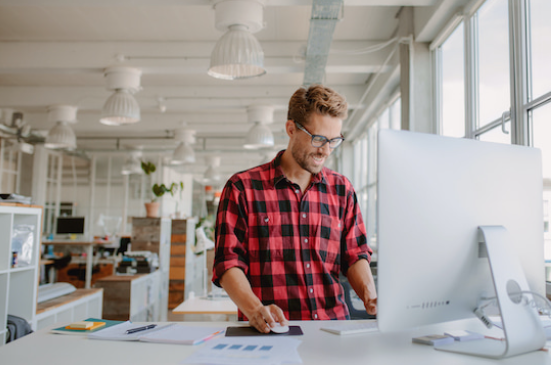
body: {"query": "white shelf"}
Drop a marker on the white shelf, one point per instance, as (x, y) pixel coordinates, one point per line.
(19, 285)
(21, 269)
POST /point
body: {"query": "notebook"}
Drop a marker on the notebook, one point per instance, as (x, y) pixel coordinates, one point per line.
(67, 331)
(170, 333)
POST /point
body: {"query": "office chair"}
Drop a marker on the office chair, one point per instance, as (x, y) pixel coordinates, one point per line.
(59, 263)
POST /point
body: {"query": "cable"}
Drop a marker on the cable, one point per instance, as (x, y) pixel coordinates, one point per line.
(366, 50)
(544, 310)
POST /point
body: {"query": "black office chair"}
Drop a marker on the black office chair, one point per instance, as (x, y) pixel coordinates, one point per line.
(349, 293)
(58, 264)
(79, 273)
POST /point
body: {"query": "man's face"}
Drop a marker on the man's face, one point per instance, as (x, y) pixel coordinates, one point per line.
(308, 157)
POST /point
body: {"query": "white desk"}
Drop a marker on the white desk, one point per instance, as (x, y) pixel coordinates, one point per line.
(89, 253)
(207, 306)
(317, 348)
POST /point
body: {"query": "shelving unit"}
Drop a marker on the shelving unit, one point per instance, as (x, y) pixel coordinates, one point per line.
(154, 234)
(76, 306)
(18, 285)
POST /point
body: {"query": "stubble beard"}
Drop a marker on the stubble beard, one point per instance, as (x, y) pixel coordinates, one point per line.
(302, 160)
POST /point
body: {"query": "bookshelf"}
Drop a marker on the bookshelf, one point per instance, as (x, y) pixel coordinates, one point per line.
(18, 285)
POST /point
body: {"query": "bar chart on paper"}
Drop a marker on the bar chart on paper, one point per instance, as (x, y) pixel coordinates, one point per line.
(247, 351)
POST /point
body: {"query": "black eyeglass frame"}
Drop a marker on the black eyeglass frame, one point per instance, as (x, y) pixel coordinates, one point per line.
(324, 140)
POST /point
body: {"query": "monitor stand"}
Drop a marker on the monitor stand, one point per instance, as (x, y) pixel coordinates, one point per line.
(521, 325)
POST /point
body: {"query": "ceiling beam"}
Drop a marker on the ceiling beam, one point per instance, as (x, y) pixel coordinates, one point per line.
(156, 3)
(166, 58)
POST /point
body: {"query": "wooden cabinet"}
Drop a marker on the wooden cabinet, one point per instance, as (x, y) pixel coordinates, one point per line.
(132, 297)
(183, 237)
(19, 284)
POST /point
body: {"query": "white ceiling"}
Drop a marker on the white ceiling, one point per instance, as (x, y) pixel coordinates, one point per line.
(54, 52)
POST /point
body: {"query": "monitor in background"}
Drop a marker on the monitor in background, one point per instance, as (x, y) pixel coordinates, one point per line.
(433, 195)
(70, 225)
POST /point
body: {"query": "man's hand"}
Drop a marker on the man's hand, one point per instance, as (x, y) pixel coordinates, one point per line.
(260, 316)
(264, 317)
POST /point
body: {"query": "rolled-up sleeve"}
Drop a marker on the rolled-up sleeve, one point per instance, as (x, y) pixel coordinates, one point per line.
(354, 246)
(231, 232)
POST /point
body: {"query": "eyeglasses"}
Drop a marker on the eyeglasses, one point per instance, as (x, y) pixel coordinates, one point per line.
(320, 141)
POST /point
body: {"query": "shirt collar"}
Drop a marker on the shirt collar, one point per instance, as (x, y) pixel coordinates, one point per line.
(277, 174)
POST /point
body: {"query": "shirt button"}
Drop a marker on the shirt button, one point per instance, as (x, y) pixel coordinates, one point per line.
(306, 240)
(297, 191)
(315, 316)
(303, 215)
(307, 266)
(311, 290)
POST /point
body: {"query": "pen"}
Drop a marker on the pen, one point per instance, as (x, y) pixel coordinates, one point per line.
(138, 329)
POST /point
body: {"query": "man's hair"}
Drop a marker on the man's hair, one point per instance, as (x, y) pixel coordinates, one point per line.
(316, 99)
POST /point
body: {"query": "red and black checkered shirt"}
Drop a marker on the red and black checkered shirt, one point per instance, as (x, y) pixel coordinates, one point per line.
(290, 245)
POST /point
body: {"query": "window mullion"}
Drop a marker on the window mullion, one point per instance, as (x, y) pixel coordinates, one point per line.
(518, 47)
(471, 75)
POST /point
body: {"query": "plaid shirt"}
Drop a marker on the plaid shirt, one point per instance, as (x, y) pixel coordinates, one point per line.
(290, 245)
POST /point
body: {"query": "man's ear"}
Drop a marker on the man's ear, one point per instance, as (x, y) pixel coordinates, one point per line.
(290, 127)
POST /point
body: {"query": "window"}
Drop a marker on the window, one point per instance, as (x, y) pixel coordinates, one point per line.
(540, 29)
(365, 150)
(489, 69)
(493, 60)
(453, 84)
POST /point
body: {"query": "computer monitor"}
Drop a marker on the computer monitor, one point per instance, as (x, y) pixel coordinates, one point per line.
(70, 225)
(433, 194)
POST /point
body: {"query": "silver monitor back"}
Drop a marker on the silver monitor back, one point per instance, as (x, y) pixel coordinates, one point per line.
(433, 193)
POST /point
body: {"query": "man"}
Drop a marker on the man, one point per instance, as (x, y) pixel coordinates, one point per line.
(286, 229)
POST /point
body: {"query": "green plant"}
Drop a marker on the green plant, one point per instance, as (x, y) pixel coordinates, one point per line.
(160, 190)
(148, 168)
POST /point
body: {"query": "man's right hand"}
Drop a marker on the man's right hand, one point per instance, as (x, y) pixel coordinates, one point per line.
(239, 289)
(264, 317)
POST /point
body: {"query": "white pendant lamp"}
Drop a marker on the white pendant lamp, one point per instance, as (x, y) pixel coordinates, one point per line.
(184, 154)
(260, 135)
(133, 164)
(121, 108)
(238, 54)
(212, 174)
(61, 136)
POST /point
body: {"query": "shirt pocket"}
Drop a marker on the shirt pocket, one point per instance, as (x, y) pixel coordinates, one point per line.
(265, 244)
(330, 237)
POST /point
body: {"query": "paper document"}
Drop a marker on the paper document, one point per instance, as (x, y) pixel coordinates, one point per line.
(165, 333)
(186, 335)
(118, 332)
(247, 351)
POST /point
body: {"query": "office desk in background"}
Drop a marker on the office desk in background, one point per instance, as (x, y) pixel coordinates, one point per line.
(317, 348)
(89, 245)
(207, 306)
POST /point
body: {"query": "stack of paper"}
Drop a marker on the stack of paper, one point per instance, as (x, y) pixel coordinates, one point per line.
(247, 351)
(170, 333)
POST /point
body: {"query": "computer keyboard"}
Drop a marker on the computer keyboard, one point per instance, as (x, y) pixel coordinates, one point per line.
(347, 328)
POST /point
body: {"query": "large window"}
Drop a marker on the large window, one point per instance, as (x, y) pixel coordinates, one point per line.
(488, 31)
(365, 158)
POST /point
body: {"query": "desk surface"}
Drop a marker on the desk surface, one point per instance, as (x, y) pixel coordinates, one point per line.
(76, 242)
(317, 348)
(206, 306)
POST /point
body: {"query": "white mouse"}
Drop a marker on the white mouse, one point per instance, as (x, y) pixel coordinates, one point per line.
(278, 328)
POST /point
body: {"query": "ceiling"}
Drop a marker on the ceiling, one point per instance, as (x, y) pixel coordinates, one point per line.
(55, 52)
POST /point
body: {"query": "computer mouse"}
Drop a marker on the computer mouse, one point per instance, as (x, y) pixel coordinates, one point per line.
(278, 328)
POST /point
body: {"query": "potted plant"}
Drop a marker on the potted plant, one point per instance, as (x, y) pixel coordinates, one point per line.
(152, 208)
